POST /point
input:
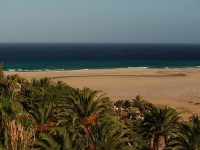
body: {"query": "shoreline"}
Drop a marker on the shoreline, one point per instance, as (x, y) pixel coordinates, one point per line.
(87, 69)
(176, 88)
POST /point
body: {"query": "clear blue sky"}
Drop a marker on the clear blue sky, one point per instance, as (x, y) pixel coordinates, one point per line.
(100, 21)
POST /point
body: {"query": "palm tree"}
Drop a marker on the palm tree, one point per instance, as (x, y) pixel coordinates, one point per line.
(57, 139)
(13, 81)
(136, 137)
(60, 84)
(158, 124)
(41, 91)
(110, 134)
(60, 91)
(63, 138)
(16, 125)
(46, 82)
(2, 79)
(6, 114)
(44, 115)
(188, 135)
(43, 84)
(35, 82)
(91, 112)
(10, 86)
(141, 104)
(86, 104)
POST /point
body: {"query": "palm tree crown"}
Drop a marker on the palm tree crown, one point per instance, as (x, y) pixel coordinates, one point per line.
(188, 135)
(159, 123)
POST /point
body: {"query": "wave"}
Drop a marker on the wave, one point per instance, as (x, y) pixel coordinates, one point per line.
(54, 70)
(32, 70)
(168, 68)
(58, 69)
(39, 70)
(86, 69)
(80, 70)
(11, 70)
(138, 67)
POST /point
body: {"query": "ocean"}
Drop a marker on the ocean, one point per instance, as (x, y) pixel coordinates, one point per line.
(44, 57)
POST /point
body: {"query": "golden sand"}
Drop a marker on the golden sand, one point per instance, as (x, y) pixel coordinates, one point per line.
(177, 88)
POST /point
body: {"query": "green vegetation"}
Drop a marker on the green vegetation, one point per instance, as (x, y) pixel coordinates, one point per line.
(44, 115)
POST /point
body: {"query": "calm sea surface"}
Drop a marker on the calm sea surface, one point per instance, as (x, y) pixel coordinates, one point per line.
(40, 57)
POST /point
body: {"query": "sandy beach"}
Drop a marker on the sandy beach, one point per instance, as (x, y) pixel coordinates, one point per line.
(177, 88)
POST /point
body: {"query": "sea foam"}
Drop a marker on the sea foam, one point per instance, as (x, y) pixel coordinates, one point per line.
(137, 67)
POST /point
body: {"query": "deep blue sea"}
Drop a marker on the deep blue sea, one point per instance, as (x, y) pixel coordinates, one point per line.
(40, 57)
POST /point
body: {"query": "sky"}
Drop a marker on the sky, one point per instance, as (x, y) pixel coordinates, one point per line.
(99, 21)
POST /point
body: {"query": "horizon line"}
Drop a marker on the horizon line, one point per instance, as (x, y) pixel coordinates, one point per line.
(95, 43)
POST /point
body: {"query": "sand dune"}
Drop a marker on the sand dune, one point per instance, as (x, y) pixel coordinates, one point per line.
(177, 88)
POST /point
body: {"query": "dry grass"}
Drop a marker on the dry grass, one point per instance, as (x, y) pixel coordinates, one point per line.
(20, 136)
